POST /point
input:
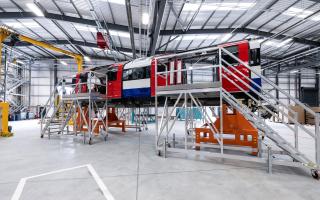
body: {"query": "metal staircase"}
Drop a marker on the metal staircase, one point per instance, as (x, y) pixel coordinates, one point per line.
(262, 101)
(55, 118)
(265, 97)
(83, 111)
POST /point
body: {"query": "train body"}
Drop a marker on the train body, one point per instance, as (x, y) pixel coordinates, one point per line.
(136, 80)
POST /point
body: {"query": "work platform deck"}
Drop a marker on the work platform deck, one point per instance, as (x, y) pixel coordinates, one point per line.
(85, 96)
(206, 89)
(207, 93)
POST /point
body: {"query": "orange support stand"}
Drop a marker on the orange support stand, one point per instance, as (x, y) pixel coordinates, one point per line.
(241, 132)
(113, 121)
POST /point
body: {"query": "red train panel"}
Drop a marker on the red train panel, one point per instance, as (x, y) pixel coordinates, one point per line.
(115, 81)
(240, 50)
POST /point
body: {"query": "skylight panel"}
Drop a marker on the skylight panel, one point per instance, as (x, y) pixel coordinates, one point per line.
(297, 12)
(198, 37)
(218, 6)
(120, 2)
(19, 25)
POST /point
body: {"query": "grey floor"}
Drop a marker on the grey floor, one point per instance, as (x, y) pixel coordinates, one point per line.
(133, 171)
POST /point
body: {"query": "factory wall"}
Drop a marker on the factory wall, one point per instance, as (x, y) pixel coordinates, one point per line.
(289, 82)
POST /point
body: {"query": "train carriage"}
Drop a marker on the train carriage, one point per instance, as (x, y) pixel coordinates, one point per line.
(135, 80)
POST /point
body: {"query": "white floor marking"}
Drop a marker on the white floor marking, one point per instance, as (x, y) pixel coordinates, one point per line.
(105, 191)
(102, 186)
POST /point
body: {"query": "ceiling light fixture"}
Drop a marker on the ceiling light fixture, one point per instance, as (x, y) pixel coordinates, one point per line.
(295, 71)
(86, 58)
(35, 9)
(64, 63)
(20, 62)
(145, 18)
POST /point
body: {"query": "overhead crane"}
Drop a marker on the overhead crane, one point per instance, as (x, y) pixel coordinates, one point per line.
(6, 32)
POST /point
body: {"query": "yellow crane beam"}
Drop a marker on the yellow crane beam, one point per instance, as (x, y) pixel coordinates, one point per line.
(5, 33)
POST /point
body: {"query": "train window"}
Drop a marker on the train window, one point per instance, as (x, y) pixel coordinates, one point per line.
(255, 57)
(228, 58)
(147, 72)
(112, 75)
(127, 74)
(161, 67)
(136, 73)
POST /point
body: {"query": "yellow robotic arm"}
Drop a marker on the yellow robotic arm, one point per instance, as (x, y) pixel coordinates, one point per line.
(5, 33)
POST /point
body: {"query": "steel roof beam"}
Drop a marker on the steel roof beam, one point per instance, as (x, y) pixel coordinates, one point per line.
(239, 30)
(24, 15)
(91, 57)
(157, 19)
(67, 42)
(52, 16)
(130, 28)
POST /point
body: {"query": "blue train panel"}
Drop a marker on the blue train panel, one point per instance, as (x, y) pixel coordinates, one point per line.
(136, 92)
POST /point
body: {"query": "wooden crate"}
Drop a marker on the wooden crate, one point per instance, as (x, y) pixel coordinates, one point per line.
(301, 114)
(309, 117)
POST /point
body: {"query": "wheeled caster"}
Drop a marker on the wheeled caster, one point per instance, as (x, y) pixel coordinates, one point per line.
(315, 174)
(159, 153)
(41, 136)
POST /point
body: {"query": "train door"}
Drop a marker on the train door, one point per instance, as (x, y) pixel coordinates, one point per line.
(80, 82)
(162, 78)
(115, 81)
(241, 51)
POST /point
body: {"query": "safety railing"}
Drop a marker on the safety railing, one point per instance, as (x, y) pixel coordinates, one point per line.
(262, 97)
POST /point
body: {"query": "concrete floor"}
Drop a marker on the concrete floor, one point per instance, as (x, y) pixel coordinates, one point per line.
(133, 171)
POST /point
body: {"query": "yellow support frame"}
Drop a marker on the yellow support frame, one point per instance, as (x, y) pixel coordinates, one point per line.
(4, 129)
